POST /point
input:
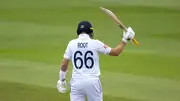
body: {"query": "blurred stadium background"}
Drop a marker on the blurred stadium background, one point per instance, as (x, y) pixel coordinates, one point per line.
(34, 35)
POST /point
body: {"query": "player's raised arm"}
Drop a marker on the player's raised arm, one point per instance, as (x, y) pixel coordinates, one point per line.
(118, 49)
(102, 48)
(129, 35)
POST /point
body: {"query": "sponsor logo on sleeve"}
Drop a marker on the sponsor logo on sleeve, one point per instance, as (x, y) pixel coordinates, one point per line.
(105, 46)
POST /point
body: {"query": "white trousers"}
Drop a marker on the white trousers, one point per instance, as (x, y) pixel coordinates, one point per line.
(86, 87)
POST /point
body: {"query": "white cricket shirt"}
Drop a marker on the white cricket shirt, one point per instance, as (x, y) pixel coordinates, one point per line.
(84, 53)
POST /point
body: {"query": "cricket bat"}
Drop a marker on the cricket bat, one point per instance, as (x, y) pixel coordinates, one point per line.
(113, 16)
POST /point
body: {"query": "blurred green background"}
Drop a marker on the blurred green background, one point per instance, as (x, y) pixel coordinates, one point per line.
(34, 35)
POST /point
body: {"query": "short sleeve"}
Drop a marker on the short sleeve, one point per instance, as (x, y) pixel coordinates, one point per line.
(102, 48)
(68, 53)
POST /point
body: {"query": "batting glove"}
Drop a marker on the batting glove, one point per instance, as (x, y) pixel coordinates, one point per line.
(61, 86)
(129, 35)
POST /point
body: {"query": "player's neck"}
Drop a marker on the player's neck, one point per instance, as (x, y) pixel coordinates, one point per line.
(84, 35)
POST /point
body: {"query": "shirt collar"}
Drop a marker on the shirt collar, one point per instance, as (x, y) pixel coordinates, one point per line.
(83, 36)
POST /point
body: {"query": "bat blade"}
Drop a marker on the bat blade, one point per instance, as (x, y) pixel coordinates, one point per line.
(113, 16)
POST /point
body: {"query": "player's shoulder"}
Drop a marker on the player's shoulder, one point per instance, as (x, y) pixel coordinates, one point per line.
(72, 41)
(97, 41)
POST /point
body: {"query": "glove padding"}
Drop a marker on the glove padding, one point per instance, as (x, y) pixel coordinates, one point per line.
(61, 86)
(129, 35)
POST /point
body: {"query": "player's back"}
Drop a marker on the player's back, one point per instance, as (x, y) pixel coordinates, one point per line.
(84, 53)
(84, 57)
